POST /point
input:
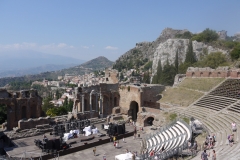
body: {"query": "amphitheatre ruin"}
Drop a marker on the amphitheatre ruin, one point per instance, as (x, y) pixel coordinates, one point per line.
(208, 96)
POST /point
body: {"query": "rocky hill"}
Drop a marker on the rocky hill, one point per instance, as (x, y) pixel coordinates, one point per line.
(165, 47)
(94, 64)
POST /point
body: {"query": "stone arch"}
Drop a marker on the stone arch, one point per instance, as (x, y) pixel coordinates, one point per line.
(201, 74)
(238, 74)
(85, 105)
(115, 102)
(106, 105)
(149, 121)
(24, 112)
(210, 74)
(133, 110)
(193, 74)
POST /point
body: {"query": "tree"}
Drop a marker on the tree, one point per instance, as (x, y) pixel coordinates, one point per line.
(168, 74)
(47, 104)
(146, 77)
(190, 57)
(3, 113)
(213, 60)
(121, 76)
(56, 111)
(235, 53)
(157, 77)
(176, 62)
(207, 35)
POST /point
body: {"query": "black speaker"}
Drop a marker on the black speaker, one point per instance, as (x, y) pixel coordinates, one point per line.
(57, 144)
(123, 126)
(49, 144)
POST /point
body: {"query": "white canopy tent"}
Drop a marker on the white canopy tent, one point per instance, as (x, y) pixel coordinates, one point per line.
(126, 156)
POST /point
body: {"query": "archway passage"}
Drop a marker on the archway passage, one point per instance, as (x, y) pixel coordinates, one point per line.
(85, 105)
(149, 121)
(24, 112)
(133, 110)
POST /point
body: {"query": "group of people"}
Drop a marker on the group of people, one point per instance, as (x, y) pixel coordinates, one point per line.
(205, 155)
(192, 146)
(210, 142)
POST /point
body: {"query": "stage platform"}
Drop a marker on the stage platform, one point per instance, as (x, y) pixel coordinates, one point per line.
(26, 147)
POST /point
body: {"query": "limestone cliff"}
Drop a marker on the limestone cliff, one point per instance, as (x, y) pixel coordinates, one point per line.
(168, 49)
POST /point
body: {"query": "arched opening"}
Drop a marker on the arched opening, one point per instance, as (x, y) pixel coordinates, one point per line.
(85, 104)
(219, 74)
(106, 106)
(193, 74)
(201, 74)
(238, 74)
(24, 112)
(148, 121)
(133, 110)
(33, 112)
(210, 74)
(115, 101)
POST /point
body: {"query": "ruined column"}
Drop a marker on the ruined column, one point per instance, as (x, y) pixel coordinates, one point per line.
(90, 102)
(100, 104)
(83, 103)
(96, 102)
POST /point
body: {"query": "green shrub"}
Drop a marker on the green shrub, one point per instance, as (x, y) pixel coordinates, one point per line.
(173, 116)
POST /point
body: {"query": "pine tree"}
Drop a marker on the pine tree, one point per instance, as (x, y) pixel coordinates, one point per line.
(190, 57)
(176, 62)
(157, 77)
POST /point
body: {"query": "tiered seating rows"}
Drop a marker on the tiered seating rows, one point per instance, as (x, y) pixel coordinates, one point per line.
(214, 102)
(170, 138)
(230, 88)
(235, 107)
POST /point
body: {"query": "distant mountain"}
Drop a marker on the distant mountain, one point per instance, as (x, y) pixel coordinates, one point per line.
(34, 70)
(94, 64)
(97, 63)
(18, 63)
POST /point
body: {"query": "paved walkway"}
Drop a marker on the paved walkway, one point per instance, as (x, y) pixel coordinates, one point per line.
(107, 149)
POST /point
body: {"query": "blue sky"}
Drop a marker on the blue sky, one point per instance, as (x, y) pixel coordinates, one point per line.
(88, 29)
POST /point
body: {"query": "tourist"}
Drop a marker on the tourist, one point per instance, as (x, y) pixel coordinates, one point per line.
(234, 127)
(133, 156)
(114, 144)
(194, 147)
(189, 145)
(231, 139)
(214, 139)
(114, 138)
(151, 154)
(123, 140)
(204, 155)
(94, 151)
(117, 144)
(206, 144)
(104, 157)
(214, 156)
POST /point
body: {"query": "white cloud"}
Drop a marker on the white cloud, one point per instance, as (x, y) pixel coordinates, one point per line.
(85, 47)
(35, 46)
(111, 48)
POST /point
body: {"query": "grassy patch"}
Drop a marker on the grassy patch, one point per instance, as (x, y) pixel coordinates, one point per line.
(201, 84)
(180, 96)
(172, 116)
(186, 120)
